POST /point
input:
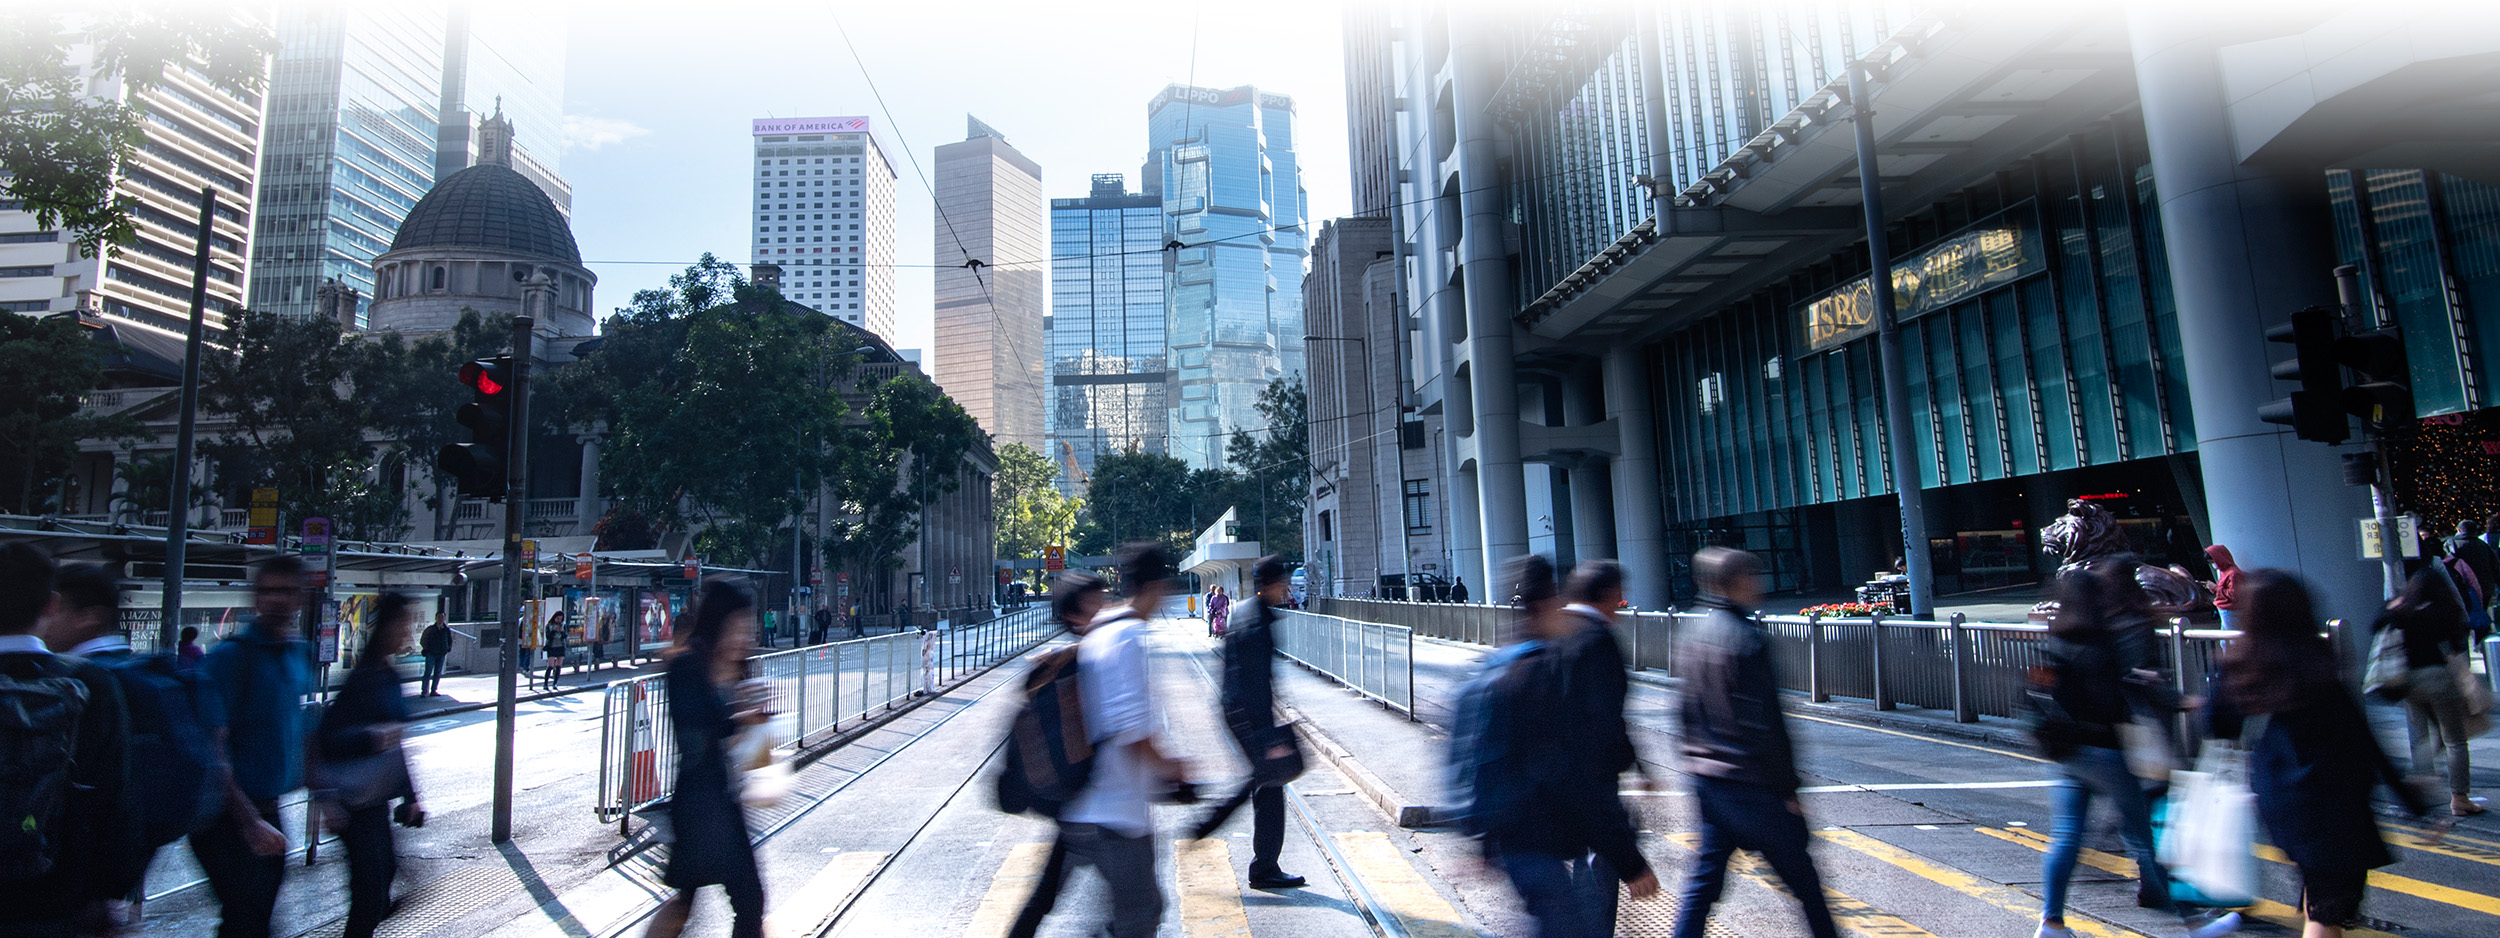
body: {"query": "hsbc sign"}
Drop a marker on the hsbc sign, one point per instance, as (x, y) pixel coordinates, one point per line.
(810, 125)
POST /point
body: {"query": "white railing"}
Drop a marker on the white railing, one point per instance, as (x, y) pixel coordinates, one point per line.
(1374, 659)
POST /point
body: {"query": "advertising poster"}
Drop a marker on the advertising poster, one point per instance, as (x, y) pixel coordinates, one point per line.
(657, 611)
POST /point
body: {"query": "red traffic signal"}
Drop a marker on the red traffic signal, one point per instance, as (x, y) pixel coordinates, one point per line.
(489, 376)
(479, 464)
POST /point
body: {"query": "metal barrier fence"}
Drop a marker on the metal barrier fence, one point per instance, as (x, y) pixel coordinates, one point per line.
(816, 690)
(1457, 622)
(1375, 659)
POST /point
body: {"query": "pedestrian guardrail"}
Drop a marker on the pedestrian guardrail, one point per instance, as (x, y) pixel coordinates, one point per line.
(1374, 659)
(1972, 669)
(817, 690)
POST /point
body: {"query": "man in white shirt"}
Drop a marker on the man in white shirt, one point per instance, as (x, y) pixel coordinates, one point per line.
(1110, 825)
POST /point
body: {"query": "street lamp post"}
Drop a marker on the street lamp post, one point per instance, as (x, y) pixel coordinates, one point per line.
(1370, 430)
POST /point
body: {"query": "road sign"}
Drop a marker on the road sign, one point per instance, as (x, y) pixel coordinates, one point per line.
(1055, 557)
(842, 583)
(529, 551)
(1232, 529)
(316, 535)
(263, 518)
(816, 577)
(328, 642)
(694, 569)
(2374, 543)
(581, 567)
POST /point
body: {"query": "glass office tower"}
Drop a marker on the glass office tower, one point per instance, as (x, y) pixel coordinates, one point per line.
(1108, 376)
(352, 119)
(1232, 199)
(507, 58)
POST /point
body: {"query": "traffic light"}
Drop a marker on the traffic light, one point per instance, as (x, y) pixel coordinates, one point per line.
(2316, 411)
(479, 463)
(2382, 395)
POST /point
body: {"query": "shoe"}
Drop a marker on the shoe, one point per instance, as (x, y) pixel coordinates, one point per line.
(2053, 931)
(2215, 927)
(1278, 881)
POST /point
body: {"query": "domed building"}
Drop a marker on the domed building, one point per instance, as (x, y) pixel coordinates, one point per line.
(475, 242)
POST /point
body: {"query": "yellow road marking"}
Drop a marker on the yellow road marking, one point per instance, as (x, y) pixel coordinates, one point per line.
(2457, 847)
(1847, 911)
(2418, 889)
(1383, 868)
(1210, 897)
(1008, 890)
(805, 915)
(2263, 908)
(1925, 739)
(1996, 894)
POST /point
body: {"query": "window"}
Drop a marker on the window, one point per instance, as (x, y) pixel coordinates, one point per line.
(25, 306)
(30, 237)
(1326, 531)
(44, 270)
(439, 278)
(1418, 506)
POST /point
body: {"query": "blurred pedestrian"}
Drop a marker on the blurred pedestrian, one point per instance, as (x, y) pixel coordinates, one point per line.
(2429, 615)
(2225, 585)
(263, 673)
(362, 769)
(1571, 841)
(1219, 611)
(434, 646)
(1736, 746)
(1458, 589)
(2089, 694)
(706, 819)
(531, 633)
(821, 625)
(66, 864)
(190, 653)
(2312, 760)
(559, 641)
(1249, 697)
(1075, 599)
(1110, 825)
(2468, 545)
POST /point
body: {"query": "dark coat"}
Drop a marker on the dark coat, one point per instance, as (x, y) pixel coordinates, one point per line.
(94, 860)
(1250, 681)
(708, 822)
(435, 642)
(370, 697)
(1577, 738)
(1733, 727)
(2312, 772)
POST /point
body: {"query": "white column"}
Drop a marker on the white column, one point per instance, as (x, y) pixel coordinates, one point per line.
(1639, 521)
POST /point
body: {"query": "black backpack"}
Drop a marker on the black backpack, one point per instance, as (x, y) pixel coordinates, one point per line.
(2075, 697)
(180, 787)
(1049, 756)
(1492, 775)
(40, 704)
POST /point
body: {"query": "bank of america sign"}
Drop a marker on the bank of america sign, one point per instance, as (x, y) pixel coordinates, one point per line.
(810, 125)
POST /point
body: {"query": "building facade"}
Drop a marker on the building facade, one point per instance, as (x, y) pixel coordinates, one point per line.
(992, 249)
(198, 136)
(505, 59)
(824, 212)
(1110, 374)
(1222, 161)
(2093, 220)
(1370, 518)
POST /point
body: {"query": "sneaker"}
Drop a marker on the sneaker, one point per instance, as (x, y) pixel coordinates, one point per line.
(2053, 931)
(2215, 927)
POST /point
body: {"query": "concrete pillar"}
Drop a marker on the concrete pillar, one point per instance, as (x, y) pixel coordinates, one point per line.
(1466, 531)
(1592, 500)
(591, 506)
(2247, 246)
(1501, 486)
(1639, 521)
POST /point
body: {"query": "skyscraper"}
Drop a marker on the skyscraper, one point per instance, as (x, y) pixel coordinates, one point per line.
(197, 135)
(1233, 202)
(499, 58)
(824, 212)
(354, 99)
(989, 318)
(1108, 367)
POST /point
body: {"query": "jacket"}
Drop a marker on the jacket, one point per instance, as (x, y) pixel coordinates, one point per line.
(95, 858)
(369, 698)
(2478, 557)
(263, 675)
(706, 818)
(2312, 771)
(436, 642)
(1249, 694)
(1733, 727)
(1576, 735)
(2226, 576)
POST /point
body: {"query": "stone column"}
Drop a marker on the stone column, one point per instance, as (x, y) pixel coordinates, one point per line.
(2247, 247)
(1492, 375)
(1640, 521)
(1592, 504)
(591, 505)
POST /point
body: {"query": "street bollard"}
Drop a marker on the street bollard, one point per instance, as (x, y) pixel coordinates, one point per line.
(1965, 710)
(1875, 657)
(802, 695)
(1814, 659)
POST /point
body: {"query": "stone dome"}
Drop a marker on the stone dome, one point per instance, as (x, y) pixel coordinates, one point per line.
(489, 206)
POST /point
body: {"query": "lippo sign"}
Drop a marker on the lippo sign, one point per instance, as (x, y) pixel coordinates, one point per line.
(810, 125)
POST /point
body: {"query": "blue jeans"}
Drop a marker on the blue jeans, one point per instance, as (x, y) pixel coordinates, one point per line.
(1569, 897)
(1738, 815)
(2095, 771)
(433, 677)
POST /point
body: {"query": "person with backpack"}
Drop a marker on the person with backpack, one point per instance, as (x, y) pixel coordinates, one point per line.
(434, 646)
(1736, 746)
(2081, 702)
(66, 851)
(1110, 824)
(1075, 600)
(177, 783)
(704, 711)
(2431, 620)
(262, 673)
(1249, 699)
(363, 768)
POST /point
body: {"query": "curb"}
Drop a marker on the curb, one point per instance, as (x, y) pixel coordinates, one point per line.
(1367, 785)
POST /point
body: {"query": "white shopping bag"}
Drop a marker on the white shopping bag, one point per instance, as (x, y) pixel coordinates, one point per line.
(2209, 830)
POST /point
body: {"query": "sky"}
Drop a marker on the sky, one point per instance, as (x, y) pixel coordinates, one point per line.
(658, 99)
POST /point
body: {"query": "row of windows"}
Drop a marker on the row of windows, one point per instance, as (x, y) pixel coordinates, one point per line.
(820, 161)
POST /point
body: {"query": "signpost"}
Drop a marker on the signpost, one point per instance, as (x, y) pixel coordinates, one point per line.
(263, 517)
(1055, 557)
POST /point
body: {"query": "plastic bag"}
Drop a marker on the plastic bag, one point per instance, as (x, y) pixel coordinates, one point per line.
(762, 780)
(2389, 671)
(2209, 829)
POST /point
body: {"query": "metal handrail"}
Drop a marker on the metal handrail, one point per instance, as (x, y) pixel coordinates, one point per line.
(1375, 659)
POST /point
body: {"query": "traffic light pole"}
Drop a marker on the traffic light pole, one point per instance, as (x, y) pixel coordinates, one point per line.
(2383, 481)
(515, 509)
(1899, 435)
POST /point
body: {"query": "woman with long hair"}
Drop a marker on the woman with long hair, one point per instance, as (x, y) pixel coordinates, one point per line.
(2428, 613)
(2312, 762)
(363, 767)
(704, 710)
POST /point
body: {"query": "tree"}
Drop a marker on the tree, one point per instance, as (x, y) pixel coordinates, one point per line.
(1139, 496)
(1272, 466)
(59, 146)
(907, 453)
(411, 389)
(1032, 512)
(46, 365)
(289, 390)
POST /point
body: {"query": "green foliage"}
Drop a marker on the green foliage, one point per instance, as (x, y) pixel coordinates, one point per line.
(908, 452)
(46, 363)
(1032, 513)
(58, 147)
(414, 400)
(1271, 469)
(296, 422)
(1136, 496)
